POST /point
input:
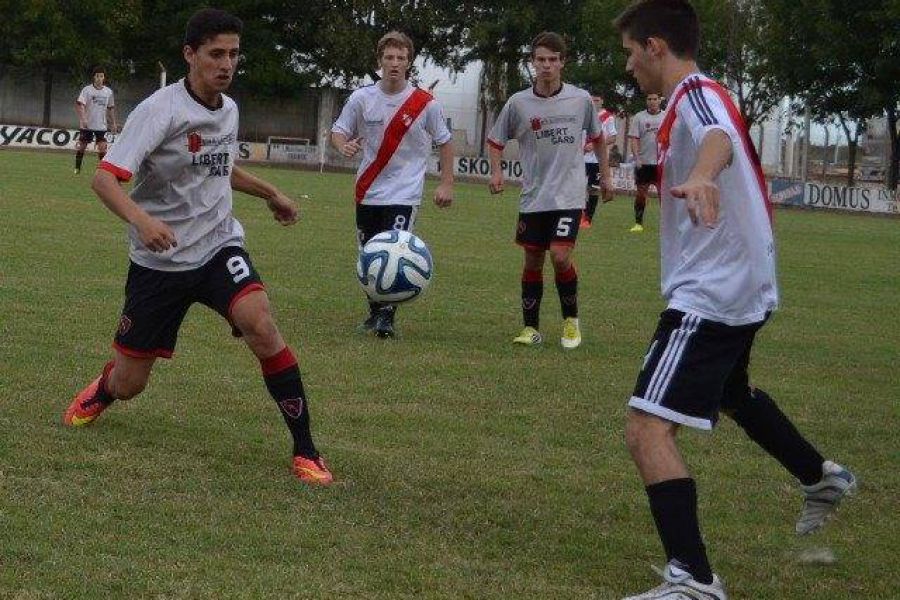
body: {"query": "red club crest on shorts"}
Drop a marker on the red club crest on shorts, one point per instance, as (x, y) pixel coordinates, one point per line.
(292, 407)
(535, 123)
(194, 142)
(124, 325)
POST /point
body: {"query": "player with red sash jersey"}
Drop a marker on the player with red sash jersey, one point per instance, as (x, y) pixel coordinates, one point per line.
(394, 124)
(718, 279)
(607, 120)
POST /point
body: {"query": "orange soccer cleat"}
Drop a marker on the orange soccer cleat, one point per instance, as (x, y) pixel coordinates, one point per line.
(313, 471)
(86, 406)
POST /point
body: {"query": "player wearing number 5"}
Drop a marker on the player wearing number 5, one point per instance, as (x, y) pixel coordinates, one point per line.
(548, 121)
(186, 246)
(395, 125)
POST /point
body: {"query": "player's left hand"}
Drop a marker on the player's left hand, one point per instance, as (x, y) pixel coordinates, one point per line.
(443, 195)
(702, 199)
(284, 209)
(606, 190)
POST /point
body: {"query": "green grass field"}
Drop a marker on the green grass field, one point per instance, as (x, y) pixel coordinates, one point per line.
(466, 467)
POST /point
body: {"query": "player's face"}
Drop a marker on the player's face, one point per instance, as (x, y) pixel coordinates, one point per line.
(394, 63)
(653, 101)
(641, 65)
(598, 102)
(99, 79)
(214, 62)
(547, 64)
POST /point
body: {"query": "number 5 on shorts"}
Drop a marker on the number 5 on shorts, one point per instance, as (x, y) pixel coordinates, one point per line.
(238, 267)
(564, 226)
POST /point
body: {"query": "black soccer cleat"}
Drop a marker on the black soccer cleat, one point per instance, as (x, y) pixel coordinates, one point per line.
(384, 323)
(369, 324)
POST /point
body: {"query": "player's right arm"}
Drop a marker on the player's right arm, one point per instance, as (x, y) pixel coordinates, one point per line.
(80, 111)
(145, 129)
(634, 140)
(504, 128)
(154, 234)
(344, 136)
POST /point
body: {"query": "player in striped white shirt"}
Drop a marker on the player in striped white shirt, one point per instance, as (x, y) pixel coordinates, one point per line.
(607, 120)
(718, 277)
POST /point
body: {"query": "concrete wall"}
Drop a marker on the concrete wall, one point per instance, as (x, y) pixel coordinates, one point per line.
(22, 103)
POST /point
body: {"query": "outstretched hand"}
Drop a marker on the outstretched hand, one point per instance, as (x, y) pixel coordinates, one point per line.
(702, 199)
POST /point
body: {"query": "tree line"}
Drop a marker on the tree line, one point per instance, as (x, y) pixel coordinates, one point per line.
(840, 60)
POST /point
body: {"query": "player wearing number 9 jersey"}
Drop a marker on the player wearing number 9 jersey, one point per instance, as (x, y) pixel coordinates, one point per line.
(549, 121)
(179, 145)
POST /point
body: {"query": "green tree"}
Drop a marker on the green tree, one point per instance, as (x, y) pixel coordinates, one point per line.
(849, 65)
(52, 36)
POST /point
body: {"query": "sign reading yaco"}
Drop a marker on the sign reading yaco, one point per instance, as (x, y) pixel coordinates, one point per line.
(24, 136)
(837, 197)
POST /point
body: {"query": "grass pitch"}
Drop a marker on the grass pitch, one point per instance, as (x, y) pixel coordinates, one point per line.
(467, 468)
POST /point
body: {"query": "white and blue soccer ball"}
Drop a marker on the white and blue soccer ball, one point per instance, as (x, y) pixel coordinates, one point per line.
(394, 266)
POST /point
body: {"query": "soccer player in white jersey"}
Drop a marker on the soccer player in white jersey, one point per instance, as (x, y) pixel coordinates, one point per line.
(548, 120)
(96, 108)
(718, 278)
(395, 125)
(607, 120)
(642, 139)
(180, 146)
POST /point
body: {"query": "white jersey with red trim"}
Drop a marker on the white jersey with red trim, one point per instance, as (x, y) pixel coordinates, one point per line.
(727, 273)
(367, 114)
(549, 131)
(96, 102)
(181, 153)
(608, 125)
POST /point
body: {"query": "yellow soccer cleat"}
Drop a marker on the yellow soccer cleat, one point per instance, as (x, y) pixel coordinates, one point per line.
(529, 337)
(638, 228)
(571, 336)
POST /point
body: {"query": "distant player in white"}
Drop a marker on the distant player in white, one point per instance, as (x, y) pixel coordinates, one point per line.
(642, 139)
(718, 278)
(96, 110)
(607, 120)
(395, 125)
(548, 121)
(180, 145)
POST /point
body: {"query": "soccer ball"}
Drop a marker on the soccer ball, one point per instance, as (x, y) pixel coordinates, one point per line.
(394, 266)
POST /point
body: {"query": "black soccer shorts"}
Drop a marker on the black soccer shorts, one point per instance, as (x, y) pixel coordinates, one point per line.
(693, 368)
(86, 136)
(592, 170)
(157, 301)
(646, 175)
(373, 219)
(540, 230)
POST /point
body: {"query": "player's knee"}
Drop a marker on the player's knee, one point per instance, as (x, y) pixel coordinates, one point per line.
(258, 326)
(561, 259)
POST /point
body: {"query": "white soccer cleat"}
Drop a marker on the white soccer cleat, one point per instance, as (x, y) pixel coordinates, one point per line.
(821, 499)
(571, 336)
(681, 585)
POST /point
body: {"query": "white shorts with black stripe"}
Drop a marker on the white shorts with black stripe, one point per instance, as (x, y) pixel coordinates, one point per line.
(693, 367)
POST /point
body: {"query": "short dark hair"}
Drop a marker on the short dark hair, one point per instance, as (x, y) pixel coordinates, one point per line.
(551, 41)
(674, 21)
(207, 23)
(98, 69)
